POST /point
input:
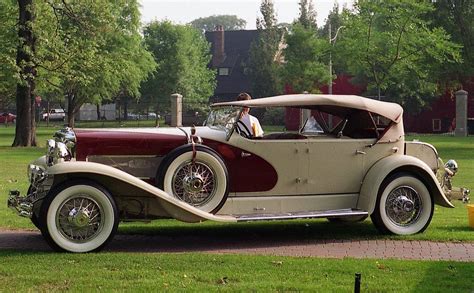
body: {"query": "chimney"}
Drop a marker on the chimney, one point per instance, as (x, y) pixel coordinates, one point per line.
(219, 51)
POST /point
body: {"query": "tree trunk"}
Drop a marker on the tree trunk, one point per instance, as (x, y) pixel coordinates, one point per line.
(125, 108)
(71, 104)
(99, 117)
(25, 132)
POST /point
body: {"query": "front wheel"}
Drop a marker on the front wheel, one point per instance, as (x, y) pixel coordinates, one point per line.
(404, 206)
(79, 217)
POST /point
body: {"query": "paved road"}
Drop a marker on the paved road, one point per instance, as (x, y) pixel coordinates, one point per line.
(421, 250)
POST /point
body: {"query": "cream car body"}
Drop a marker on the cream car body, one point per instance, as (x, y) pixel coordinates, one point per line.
(92, 179)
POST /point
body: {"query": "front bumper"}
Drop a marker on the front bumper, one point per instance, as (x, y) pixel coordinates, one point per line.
(40, 184)
(20, 204)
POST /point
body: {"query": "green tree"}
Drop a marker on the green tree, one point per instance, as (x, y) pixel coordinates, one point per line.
(268, 19)
(96, 52)
(261, 66)
(25, 133)
(392, 47)
(182, 55)
(8, 47)
(305, 55)
(84, 51)
(229, 22)
(307, 16)
(456, 16)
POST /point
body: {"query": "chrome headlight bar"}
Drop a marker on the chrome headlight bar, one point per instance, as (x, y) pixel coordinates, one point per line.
(57, 152)
(36, 174)
(62, 147)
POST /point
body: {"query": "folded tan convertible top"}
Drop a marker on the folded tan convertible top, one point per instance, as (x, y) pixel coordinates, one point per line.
(392, 111)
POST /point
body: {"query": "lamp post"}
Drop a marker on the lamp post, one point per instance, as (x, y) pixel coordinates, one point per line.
(332, 41)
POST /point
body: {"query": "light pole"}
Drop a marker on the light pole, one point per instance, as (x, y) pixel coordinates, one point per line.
(332, 41)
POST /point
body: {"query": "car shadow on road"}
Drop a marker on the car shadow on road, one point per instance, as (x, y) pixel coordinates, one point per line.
(175, 236)
(245, 236)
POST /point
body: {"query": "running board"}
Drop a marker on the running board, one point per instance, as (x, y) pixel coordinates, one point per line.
(301, 215)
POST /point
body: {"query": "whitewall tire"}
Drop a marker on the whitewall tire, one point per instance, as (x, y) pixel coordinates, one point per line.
(404, 206)
(79, 217)
(202, 183)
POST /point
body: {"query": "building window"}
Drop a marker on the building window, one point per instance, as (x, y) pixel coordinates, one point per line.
(436, 124)
(223, 71)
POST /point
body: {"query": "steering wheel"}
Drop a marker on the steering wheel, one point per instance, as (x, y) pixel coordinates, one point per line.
(244, 131)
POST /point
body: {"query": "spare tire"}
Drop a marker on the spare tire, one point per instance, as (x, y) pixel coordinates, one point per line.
(203, 183)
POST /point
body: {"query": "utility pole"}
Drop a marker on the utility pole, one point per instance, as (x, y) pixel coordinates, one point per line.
(330, 58)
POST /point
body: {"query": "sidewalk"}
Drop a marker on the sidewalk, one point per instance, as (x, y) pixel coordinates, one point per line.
(379, 249)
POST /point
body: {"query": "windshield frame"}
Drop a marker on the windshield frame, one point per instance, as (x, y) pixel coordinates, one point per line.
(227, 122)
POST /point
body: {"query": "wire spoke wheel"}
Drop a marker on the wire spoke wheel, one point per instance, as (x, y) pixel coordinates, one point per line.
(194, 183)
(197, 177)
(403, 206)
(80, 218)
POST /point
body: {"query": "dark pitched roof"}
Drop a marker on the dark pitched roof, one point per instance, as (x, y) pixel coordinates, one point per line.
(236, 48)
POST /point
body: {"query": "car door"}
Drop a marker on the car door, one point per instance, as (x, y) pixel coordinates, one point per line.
(336, 165)
(288, 157)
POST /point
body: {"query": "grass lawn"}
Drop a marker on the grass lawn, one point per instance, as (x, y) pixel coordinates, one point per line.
(202, 272)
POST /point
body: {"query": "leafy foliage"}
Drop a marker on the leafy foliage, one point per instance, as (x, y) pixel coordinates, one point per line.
(8, 69)
(182, 55)
(262, 67)
(84, 51)
(95, 51)
(392, 47)
(307, 16)
(456, 16)
(268, 19)
(305, 68)
(229, 22)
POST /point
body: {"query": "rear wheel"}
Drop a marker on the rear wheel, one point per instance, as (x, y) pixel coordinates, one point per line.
(404, 206)
(79, 217)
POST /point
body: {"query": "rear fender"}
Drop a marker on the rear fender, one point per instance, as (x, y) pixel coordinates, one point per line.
(393, 164)
(174, 207)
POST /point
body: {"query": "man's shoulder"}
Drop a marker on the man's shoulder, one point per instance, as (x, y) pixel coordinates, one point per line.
(253, 118)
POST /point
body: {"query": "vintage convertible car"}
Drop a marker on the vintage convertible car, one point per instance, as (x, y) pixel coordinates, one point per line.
(90, 179)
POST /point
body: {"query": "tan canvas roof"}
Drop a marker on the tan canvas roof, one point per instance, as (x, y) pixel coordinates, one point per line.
(392, 111)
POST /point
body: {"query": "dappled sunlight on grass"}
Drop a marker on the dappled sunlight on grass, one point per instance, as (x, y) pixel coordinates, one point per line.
(204, 272)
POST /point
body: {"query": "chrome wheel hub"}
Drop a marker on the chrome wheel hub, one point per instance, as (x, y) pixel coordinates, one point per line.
(403, 206)
(79, 219)
(194, 183)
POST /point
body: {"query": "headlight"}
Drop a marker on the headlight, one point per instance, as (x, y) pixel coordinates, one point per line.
(35, 174)
(62, 151)
(57, 152)
(51, 146)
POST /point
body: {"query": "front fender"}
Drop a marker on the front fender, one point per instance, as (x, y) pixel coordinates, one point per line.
(174, 207)
(398, 163)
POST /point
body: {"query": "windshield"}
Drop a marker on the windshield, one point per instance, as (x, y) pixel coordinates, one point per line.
(223, 118)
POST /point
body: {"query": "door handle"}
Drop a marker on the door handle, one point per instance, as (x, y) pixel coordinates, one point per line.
(360, 152)
(244, 154)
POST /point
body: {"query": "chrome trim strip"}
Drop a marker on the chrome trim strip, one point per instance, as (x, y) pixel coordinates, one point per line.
(301, 215)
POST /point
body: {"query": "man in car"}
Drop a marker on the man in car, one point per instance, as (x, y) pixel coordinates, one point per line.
(251, 122)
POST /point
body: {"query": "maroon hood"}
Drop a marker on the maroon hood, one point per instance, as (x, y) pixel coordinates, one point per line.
(133, 141)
